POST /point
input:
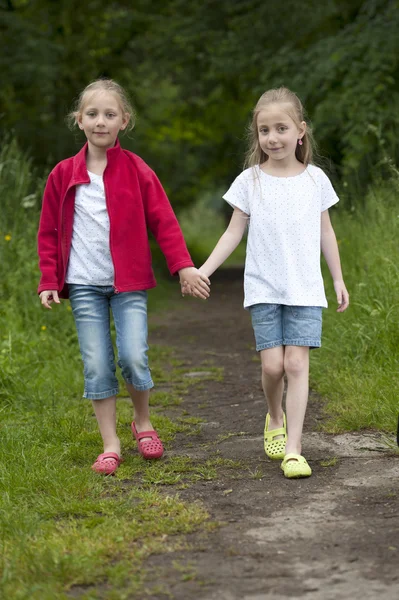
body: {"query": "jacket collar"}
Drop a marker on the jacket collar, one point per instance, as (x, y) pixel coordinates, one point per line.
(79, 173)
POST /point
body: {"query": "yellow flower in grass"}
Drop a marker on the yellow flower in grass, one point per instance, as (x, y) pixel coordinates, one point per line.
(7, 237)
(43, 328)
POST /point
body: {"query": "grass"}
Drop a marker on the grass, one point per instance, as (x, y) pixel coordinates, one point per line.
(104, 543)
(65, 532)
(62, 525)
(357, 369)
(64, 529)
(329, 462)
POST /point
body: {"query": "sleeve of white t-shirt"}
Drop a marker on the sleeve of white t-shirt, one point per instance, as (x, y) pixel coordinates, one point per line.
(328, 195)
(237, 194)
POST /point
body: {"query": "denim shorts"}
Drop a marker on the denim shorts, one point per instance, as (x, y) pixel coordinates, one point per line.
(282, 325)
(91, 306)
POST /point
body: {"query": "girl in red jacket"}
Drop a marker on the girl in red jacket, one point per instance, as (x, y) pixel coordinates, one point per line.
(93, 248)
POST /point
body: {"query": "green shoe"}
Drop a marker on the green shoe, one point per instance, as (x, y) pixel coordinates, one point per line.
(275, 448)
(295, 466)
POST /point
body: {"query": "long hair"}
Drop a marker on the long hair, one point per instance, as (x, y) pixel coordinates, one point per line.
(293, 107)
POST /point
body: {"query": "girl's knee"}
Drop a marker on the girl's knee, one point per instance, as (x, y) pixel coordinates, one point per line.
(97, 366)
(133, 365)
(273, 369)
(296, 362)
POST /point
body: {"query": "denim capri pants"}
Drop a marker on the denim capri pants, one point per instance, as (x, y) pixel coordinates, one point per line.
(91, 307)
(282, 325)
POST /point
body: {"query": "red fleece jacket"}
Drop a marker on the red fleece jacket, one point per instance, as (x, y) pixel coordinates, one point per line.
(135, 200)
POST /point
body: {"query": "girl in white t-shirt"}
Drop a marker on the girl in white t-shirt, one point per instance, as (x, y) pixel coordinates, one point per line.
(284, 199)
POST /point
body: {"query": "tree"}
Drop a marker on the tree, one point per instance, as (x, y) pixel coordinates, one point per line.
(196, 69)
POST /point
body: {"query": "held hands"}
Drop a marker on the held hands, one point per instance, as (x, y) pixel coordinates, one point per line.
(194, 283)
(47, 297)
(342, 295)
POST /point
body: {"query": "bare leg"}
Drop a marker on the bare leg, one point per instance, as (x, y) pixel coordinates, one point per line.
(296, 365)
(273, 383)
(141, 401)
(105, 411)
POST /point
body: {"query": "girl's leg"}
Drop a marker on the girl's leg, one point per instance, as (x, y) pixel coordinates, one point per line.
(141, 403)
(105, 411)
(273, 383)
(130, 316)
(296, 366)
(90, 306)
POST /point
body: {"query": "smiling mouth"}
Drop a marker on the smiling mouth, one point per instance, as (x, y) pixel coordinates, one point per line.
(274, 149)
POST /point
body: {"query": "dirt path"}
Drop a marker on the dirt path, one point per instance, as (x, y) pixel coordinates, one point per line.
(334, 535)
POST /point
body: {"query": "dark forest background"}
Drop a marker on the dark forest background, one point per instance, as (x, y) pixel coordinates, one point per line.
(194, 71)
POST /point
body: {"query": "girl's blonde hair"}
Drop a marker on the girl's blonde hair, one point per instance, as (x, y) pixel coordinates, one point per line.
(294, 109)
(103, 85)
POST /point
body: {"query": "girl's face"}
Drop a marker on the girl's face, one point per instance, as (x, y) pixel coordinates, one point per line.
(101, 118)
(278, 134)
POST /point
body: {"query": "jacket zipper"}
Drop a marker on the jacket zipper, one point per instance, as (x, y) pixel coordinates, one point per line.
(110, 245)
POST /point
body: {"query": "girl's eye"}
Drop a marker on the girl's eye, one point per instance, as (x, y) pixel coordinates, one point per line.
(110, 115)
(282, 129)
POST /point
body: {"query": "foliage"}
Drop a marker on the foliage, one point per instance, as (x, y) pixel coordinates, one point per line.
(195, 71)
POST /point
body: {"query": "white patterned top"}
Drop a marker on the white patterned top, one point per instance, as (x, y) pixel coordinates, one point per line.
(90, 261)
(283, 248)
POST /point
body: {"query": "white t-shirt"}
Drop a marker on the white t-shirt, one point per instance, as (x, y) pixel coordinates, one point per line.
(90, 261)
(283, 249)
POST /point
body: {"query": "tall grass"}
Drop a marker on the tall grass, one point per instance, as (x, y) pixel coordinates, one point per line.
(34, 344)
(357, 369)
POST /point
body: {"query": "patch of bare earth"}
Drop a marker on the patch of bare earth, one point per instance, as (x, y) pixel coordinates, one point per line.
(334, 535)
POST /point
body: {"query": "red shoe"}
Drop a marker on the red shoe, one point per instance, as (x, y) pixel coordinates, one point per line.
(151, 448)
(107, 463)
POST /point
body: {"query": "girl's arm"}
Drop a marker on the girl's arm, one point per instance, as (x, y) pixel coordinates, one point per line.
(47, 238)
(165, 227)
(227, 243)
(225, 246)
(329, 248)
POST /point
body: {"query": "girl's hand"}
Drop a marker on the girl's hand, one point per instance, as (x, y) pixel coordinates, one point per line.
(196, 283)
(47, 297)
(342, 295)
(185, 289)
